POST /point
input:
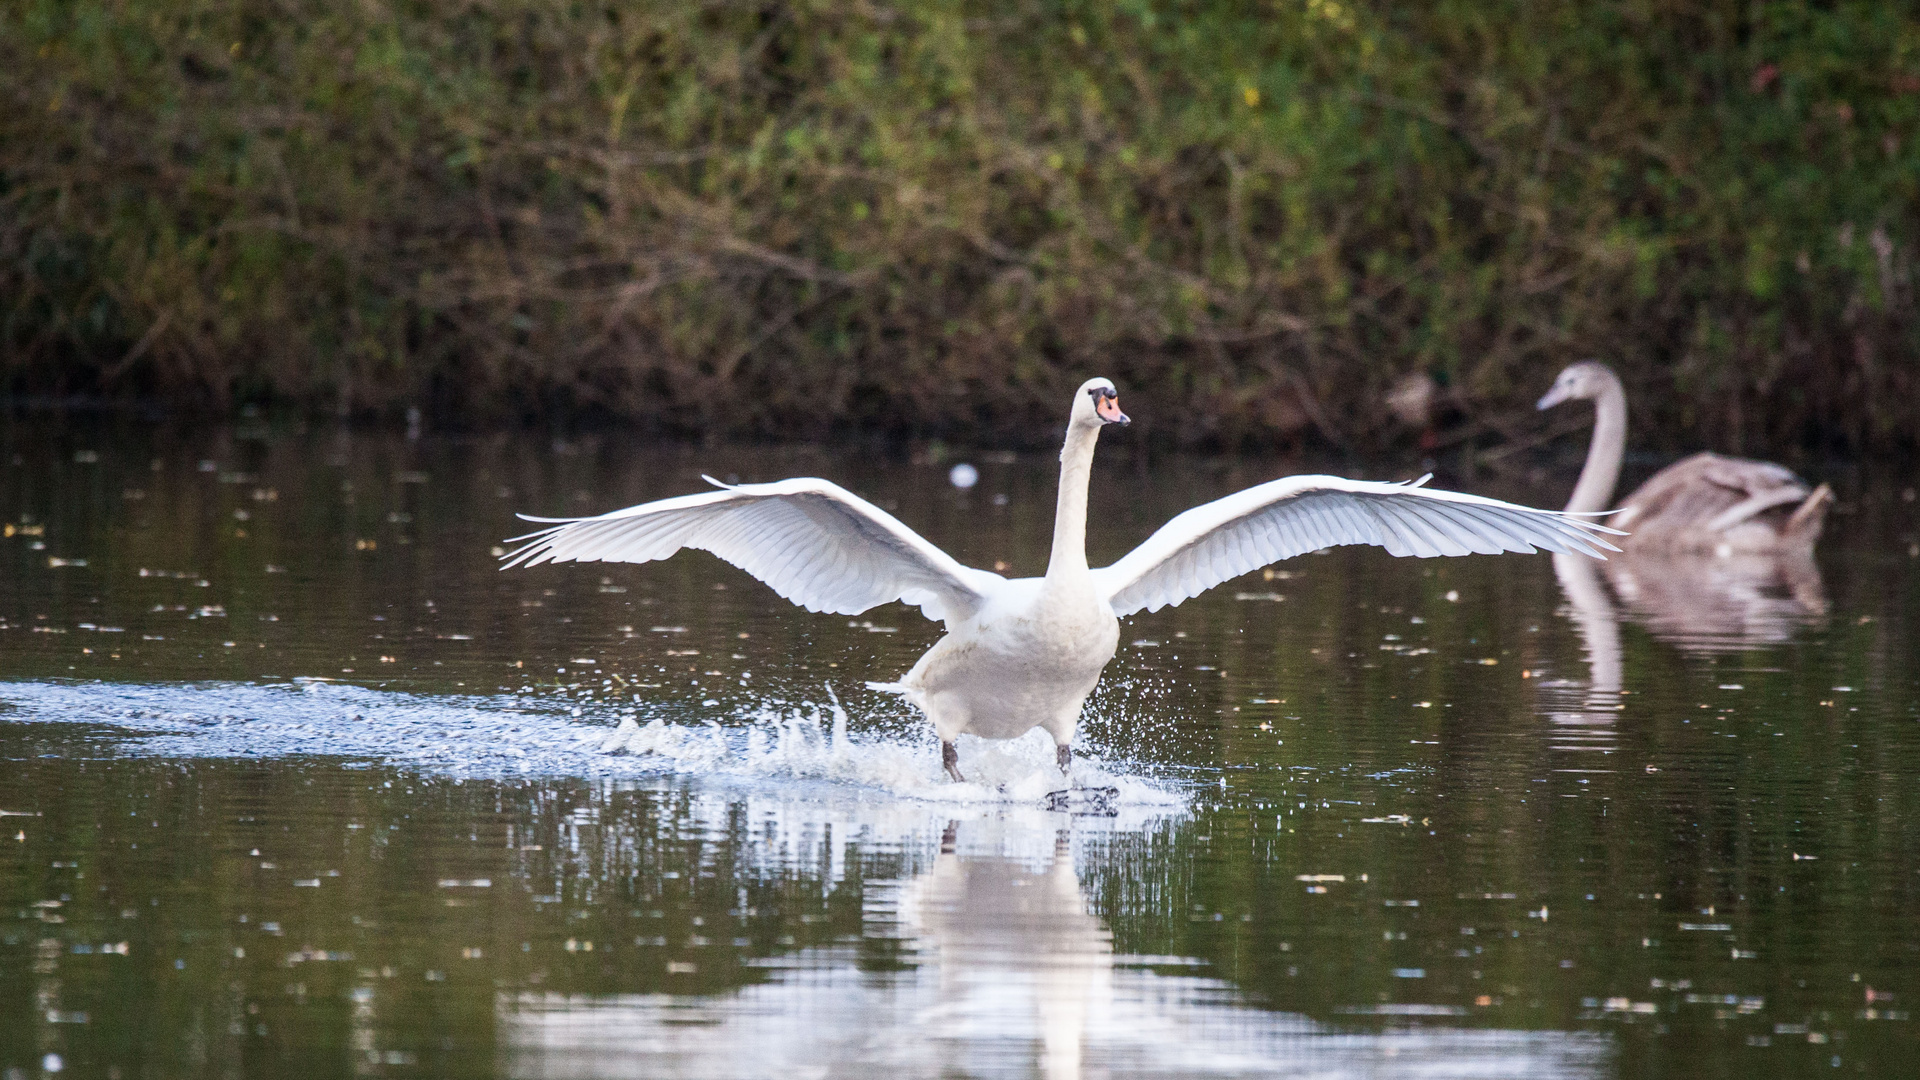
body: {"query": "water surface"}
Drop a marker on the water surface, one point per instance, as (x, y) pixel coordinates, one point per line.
(297, 784)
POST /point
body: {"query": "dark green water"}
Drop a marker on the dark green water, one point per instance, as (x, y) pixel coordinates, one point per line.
(297, 785)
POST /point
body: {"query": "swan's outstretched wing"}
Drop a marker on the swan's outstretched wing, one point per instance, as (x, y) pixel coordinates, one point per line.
(816, 543)
(1221, 540)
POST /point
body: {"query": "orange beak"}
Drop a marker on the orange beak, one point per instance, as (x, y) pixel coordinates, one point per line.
(1108, 408)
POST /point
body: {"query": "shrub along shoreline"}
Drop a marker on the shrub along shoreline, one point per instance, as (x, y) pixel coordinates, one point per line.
(796, 220)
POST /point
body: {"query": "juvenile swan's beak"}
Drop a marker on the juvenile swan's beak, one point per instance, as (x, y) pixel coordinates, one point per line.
(1107, 405)
(1554, 397)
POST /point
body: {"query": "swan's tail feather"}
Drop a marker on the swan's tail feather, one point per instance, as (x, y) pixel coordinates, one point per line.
(910, 693)
(1807, 520)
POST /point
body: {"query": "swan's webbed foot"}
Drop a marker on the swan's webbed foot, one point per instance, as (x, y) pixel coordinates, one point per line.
(1084, 801)
(1064, 755)
(950, 757)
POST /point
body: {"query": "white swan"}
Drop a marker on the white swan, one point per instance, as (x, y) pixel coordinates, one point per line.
(1703, 503)
(1026, 653)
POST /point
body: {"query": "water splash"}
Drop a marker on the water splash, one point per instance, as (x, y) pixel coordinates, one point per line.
(765, 742)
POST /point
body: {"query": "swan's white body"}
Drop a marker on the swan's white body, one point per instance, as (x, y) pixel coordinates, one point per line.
(1025, 653)
(1029, 659)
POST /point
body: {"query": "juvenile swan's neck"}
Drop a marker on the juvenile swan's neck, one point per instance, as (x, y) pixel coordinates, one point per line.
(1602, 470)
(1070, 511)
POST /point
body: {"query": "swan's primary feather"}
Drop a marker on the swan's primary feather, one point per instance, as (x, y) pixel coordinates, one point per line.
(1221, 540)
(816, 543)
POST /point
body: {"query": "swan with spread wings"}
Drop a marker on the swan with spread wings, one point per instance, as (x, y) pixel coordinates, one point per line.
(1025, 652)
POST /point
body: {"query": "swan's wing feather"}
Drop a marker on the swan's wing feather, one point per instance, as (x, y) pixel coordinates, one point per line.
(1747, 476)
(1221, 540)
(816, 543)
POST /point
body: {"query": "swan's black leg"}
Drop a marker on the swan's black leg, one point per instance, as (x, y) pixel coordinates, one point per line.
(951, 759)
(1064, 755)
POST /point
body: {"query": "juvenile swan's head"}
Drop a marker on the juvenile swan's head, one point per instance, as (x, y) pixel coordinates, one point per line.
(1097, 403)
(1583, 381)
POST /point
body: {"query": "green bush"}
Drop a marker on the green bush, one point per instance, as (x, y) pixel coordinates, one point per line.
(796, 219)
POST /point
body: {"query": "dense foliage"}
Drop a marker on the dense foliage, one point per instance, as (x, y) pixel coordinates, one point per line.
(790, 219)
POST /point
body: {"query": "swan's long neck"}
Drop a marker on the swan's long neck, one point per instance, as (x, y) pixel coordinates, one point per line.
(1602, 471)
(1070, 511)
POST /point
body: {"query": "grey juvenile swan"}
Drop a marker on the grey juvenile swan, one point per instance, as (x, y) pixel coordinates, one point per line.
(1705, 503)
(1025, 653)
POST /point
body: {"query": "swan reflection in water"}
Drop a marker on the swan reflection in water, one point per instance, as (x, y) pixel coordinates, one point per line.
(1703, 605)
(1700, 604)
(1706, 604)
(1586, 723)
(1008, 973)
(1015, 948)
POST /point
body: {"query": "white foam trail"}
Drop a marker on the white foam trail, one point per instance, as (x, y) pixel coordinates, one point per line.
(517, 735)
